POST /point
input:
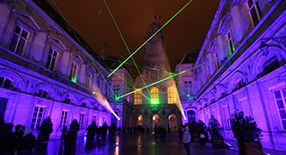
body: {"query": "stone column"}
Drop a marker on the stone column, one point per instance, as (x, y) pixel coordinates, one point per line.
(81, 73)
(64, 62)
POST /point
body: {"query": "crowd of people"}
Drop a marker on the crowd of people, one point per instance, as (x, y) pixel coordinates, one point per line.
(19, 142)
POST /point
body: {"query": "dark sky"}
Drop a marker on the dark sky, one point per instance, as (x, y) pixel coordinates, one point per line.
(186, 32)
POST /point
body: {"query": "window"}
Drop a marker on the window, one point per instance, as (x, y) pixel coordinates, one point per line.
(188, 88)
(280, 98)
(52, 59)
(88, 79)
(270, 65)
(154, 73)
(226, 117)
(116, 90)
(5, 83)
(67, 99)
(171, 95)
(230, 44)
(74, 70)
(155, 95)
(19, 40)
(63, 119)
(81, 117)
(37, 118)
(254, 11)
(138, 97)
(42, 93)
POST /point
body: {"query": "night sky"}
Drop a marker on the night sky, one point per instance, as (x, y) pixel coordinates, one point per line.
(186, 32)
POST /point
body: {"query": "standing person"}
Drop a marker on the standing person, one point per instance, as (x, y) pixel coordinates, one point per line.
(187, 141)
(6, 139)
(169, 132)
(64, 134)
(91, 131)
(26, 143)
(181, 130)
(18, 134)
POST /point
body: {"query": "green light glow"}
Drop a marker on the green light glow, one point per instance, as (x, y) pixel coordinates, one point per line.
(74, 79)
(150, 38)
(154, 102)
(105, 103)
(124, 43)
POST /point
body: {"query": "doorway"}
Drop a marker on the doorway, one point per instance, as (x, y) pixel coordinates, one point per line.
(172, 122)
(191, 116)
(155, 121)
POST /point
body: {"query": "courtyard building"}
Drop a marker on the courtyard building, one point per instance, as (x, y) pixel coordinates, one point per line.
(47, 69)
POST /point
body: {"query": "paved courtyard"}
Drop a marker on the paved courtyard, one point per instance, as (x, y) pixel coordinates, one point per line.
(126, 144)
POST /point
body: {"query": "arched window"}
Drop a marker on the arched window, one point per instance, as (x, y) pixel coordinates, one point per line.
(42, 93)
(155, 95)
(67, 99)
(5, 83)
(270, 65)
(138, 97)
(171, 95)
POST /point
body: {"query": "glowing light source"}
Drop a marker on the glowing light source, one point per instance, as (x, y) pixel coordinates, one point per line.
(154, 102)
(74, 79)
(150, 38)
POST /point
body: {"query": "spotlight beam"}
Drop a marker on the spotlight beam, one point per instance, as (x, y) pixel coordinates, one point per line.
(105, 103)
(150, 37)
(125, 43)
(169, 77)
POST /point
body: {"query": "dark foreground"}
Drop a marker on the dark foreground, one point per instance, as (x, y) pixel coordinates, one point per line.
(126, 144)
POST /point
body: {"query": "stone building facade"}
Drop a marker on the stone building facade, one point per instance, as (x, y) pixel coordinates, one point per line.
(241, 66)
(155, 105)
(46, 70)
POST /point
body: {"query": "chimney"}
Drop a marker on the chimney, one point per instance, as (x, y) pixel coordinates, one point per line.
(103, 51)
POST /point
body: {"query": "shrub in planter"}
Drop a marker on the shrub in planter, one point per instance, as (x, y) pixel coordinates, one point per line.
(247, 133)
(45, 130)
(215, 131)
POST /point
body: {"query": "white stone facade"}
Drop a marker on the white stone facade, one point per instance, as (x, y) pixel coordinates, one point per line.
(241, 66)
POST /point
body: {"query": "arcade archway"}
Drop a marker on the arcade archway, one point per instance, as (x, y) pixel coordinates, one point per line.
(172, 122)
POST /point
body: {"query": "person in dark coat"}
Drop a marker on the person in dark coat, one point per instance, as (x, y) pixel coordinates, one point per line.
(181, 130)
(64, 134)
(6, 139)
(70, 140)
(18, 134)
(91, 129)
(26, 144)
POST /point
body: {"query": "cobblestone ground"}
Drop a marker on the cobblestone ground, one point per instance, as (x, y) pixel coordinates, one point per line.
(126, 144)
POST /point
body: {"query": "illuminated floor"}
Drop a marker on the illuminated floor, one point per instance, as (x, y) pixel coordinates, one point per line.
(132, 145)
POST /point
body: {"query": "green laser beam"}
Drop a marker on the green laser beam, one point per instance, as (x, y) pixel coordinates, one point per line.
(173, 75)
(102, 44)
(125, 43)
(150, 37)
(83, 47)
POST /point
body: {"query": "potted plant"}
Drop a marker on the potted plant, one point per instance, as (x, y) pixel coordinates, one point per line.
(247, 133)
(215, 131)
(45, 130)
